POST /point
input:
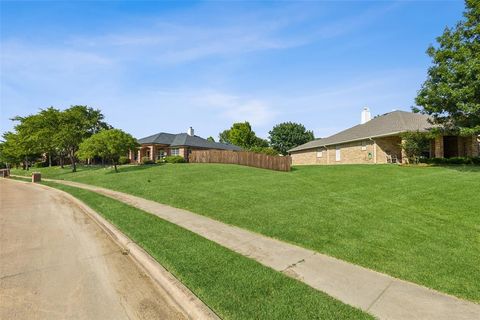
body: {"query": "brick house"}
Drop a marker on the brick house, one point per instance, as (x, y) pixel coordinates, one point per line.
(163, 144)
(378, 141)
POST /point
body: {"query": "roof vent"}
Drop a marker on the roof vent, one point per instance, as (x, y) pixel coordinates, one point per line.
(190, 131)
(366, 116)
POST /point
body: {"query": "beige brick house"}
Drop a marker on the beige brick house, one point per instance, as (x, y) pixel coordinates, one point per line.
(163, 144)
(378, 141)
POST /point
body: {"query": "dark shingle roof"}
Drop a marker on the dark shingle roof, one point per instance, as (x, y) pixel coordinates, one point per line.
(183, 139)
(388, 124)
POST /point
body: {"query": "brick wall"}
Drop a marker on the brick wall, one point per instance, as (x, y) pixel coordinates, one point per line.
(357, 152)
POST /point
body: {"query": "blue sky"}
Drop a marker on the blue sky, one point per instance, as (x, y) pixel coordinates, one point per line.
(164, 66)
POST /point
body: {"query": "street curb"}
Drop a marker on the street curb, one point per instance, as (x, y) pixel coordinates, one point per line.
(180, 295)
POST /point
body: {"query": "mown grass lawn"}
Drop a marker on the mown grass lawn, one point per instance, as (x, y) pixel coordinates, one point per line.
(420, 224)
(235, 287)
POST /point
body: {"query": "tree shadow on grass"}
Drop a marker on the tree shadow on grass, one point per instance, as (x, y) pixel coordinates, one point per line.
(460, 167)
(130, 168)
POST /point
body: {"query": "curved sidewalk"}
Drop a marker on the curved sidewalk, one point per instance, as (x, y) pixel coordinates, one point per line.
(379, 294)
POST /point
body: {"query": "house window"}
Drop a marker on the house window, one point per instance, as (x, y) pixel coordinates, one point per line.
(319, 153)
(175, 151)
(338, 156)
(364, 145)
(160, 154)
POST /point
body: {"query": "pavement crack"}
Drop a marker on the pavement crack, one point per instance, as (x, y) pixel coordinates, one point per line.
(380, 295)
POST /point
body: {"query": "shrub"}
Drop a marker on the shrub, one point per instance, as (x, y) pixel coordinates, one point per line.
(39, 164)
(265, 150)
(123, 160)
(453, 161)
(160, 161)
(457, 160)
(414, 143)
(174, 159)
(146, 160)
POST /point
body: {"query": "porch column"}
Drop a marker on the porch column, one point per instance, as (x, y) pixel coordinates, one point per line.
(403, 154)
(130, 155)
(375, 151)
(439, 147)
(139, 157)
(151, 153)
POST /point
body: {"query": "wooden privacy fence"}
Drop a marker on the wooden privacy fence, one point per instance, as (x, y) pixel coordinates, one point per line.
(245, 158)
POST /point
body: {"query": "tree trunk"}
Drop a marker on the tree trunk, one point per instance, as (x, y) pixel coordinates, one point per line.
(49, 159)
(61, 161)
(103, 162)
(115, 166)
(72, 160)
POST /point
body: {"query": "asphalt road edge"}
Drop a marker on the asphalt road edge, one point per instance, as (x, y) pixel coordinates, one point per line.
(186, 300)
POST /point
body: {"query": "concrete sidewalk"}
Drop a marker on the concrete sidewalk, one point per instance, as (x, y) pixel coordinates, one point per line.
(379, 294)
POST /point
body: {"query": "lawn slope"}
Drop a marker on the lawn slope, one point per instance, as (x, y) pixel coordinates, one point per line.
(235, 287)
(420, 224)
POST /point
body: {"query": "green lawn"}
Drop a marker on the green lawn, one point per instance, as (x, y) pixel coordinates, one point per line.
(235, 287)
(420, 224)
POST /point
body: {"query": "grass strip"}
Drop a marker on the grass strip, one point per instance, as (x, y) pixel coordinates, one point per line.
(419, 224)
(235, 287)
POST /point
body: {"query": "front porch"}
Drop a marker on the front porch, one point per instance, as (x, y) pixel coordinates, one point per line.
(454, 146)
(155, 152)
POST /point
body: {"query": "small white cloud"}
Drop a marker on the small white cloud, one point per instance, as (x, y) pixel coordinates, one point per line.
(238, 109)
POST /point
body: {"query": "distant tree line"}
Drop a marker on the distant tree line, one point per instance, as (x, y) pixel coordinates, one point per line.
(57, 136)
(282, 137)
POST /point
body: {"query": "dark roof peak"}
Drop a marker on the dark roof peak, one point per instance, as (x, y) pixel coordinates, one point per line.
(185, 140)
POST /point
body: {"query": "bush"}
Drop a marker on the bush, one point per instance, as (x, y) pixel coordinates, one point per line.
(453, 161)
(174, 159)
(265, 150)
(160, 161)
(39, 164)
(123, 160)
(146, 160)
(458, 160)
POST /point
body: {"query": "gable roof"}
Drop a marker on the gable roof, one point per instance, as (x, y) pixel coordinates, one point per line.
(185, 140)
(385, 125)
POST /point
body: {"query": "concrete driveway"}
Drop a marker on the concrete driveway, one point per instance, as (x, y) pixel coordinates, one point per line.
(56, 263)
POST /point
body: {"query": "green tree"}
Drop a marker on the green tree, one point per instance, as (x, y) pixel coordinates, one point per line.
(414, 143)
(41, 130)
(10, 151)
(18, 148)
(223, 136)
(451, 93)
(287, 135)
(210, 139)
(266, 150)
(242, 135)
(108, 144)
(76, 124)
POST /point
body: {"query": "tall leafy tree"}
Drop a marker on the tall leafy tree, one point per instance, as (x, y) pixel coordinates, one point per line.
(41, 130)
(287, 135)
(223, 136)
(108, 144)
(242, 135)
(451, 93)
(10, 151)
(75, 125)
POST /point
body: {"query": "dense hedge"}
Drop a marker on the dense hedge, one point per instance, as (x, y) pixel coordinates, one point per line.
(455, 160)
(174, 159)
(146, 160)
(123, 160)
